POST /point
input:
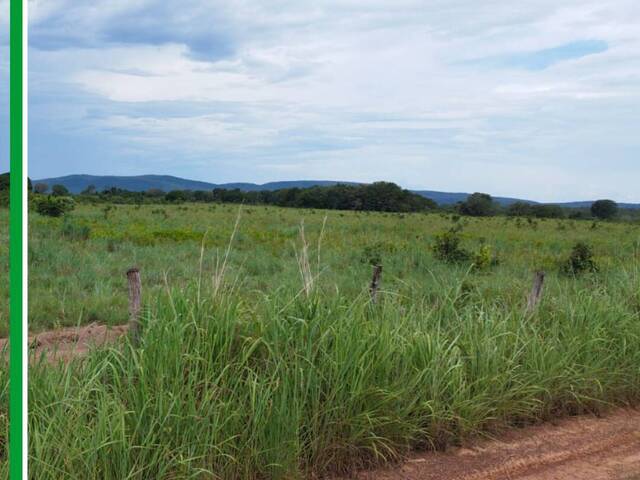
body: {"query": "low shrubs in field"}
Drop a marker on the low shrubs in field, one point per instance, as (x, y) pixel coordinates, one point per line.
(446, 247)
(53, 206)
(580, 261)
(483, 258)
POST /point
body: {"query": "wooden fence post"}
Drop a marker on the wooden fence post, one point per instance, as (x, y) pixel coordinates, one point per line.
(375, 282)
(135, 293)
(536, 292)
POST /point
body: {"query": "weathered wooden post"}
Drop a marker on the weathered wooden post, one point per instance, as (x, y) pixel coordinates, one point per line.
(536, 292)
(135, 293)
(375, 282)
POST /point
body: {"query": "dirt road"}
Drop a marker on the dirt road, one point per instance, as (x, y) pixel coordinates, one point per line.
(574, 448)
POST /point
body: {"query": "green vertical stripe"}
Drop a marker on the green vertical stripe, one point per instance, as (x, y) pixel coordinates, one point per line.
(15, 243)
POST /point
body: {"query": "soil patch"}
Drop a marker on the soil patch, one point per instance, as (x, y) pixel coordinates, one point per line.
(66, 343)
(573, 448)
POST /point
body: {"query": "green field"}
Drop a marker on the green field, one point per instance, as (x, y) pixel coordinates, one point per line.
(245, 373)
(78, 264)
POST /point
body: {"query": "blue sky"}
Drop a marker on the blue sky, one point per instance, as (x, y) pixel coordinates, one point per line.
(536, 99)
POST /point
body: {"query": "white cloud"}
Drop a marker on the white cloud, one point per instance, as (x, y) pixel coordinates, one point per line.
(360, 90)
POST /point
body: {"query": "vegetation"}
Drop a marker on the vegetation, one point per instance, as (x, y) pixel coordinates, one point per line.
(522, 209)
(4, 189)
(271, 361)
(581, 260)
(59, 190)
(379, 196)
(604, 209)
(5, 182)
(446, 246)
(40, 188)
(268, 360)
(53, 206)
(478, 205)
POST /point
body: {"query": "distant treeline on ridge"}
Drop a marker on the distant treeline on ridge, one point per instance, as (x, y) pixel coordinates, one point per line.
(377, 196)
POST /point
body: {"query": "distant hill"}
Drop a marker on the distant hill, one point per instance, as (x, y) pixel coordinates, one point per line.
(446, 198)
(140, 183)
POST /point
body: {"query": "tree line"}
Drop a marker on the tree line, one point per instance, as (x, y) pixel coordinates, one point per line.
(377, 196)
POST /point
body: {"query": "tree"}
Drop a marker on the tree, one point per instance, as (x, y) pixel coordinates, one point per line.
(604, 209)
(54, 206)
(41, 188)
(90, 190)
(5, 180)
(175, 196)
(4, 189)
(478, 205)
(519, 209)
(546, 210)
(59, 190)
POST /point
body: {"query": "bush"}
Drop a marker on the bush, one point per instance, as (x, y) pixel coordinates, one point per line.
(51, 206)
(580, 261)
(447, 247)
(484, 259)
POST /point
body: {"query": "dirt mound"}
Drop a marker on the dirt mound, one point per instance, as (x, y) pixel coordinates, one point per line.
(574, 448)
(67, 343)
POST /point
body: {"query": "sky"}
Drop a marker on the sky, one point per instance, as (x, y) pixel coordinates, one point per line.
(531, 99)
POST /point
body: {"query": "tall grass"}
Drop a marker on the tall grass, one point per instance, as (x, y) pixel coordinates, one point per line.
(268, 361)
(274, 388)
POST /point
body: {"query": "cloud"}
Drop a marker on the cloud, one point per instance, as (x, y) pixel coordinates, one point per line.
(439, 95)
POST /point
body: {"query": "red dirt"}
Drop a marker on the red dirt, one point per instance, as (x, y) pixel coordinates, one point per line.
(573, 448)
(66, 343)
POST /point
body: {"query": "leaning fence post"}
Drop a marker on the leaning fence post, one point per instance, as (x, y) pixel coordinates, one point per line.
(135, 291)
(536, 292)
(375, 282)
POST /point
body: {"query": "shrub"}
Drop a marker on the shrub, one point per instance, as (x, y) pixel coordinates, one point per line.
(447, 247)
(484, 259)
(580, 261)
(51, 206)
